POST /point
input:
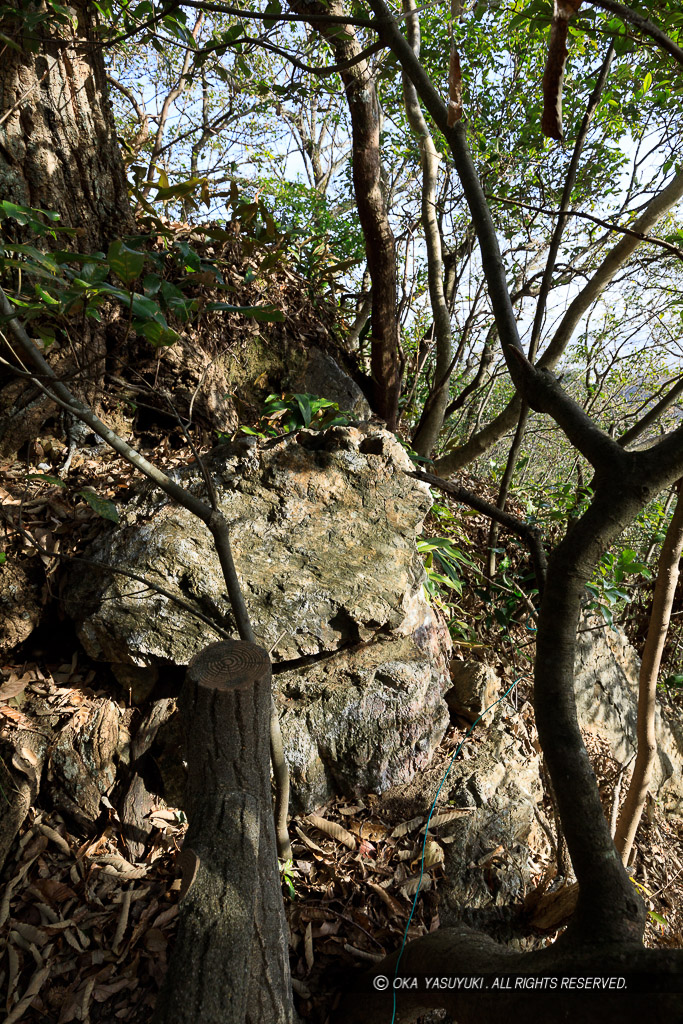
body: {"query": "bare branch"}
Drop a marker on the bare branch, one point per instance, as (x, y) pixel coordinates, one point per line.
(644, 25)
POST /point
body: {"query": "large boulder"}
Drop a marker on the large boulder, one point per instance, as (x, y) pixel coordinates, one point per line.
(323, 534)
(489, 858)
(606, 685)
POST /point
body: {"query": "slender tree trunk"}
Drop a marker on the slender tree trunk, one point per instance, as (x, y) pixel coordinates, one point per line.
(58, 148)
(432, 420)
(662, 603)
(508, 474)
(380, 246)
(609, 907)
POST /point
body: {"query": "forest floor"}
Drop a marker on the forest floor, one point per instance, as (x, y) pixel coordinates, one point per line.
(86, 928)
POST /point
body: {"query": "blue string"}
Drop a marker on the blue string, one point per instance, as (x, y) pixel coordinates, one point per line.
(429, 818)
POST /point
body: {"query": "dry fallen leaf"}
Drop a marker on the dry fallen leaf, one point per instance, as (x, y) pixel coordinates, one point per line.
(334, 829)
(406, 826)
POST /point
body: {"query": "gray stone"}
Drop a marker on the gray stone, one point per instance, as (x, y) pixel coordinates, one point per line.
(84, 761)
(362, 720)
(19, 606)
(488, 858)
(323, 534)
(493, 791)
(323, 376)
(606, 686)
(475, 687)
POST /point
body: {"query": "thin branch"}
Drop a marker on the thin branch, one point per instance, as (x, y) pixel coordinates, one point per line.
(127, 573)
(595, 220)
(329, 69)
(130, 96)
(529, 534)
(564, 211)
(643, 24)
(240, 12)
(322, 19)
(657, 410)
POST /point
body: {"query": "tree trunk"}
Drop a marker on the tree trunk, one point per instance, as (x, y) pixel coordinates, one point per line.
(380, 246)
(58, 147)
(662, 603)
(229, 964)
(58, 151)
(432, 418)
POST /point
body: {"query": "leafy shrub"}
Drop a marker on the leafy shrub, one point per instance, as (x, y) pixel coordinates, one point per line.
(282, 414)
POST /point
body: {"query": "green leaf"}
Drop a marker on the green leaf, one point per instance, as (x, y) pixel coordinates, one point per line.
(3, 557)
(304, 404)
(54, 480)
(267, 314)
(104, 508)
(157, 334)
(181, 190)
(46, 297)
(273, 10)
(151, 284)
(30, 216)
(126, 263)
(192, 260)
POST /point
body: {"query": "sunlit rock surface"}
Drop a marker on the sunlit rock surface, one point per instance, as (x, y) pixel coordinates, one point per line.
(323, 533)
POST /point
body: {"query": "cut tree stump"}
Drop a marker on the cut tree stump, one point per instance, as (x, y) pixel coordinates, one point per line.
(229, 964)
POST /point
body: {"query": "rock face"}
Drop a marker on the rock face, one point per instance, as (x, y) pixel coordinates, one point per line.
(606, 687)
(488, 856)
(19, 607)
(84, 759)
(323, 376)
(475, 688)
(323, 537)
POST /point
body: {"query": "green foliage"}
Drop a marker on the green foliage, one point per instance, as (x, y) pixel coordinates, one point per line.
(448, 568)
(555, 502)
(27, 216)
(102, 506)
(443, 563)
(60, 285)
(54, 481)
(31, 21)
(105, 509)
(281, 414)
(286, 870)
(512, 594)
(613, 580)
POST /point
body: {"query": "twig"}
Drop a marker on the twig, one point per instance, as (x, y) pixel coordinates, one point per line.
(211, 517)
(128, 573)
(529, 534)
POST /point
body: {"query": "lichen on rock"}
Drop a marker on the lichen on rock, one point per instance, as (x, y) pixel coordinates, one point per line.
(323, 535)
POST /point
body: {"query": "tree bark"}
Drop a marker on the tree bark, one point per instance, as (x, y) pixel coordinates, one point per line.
(229, 964)
(380, 246)
(432, 419)
(662, 603)
(58, 147)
